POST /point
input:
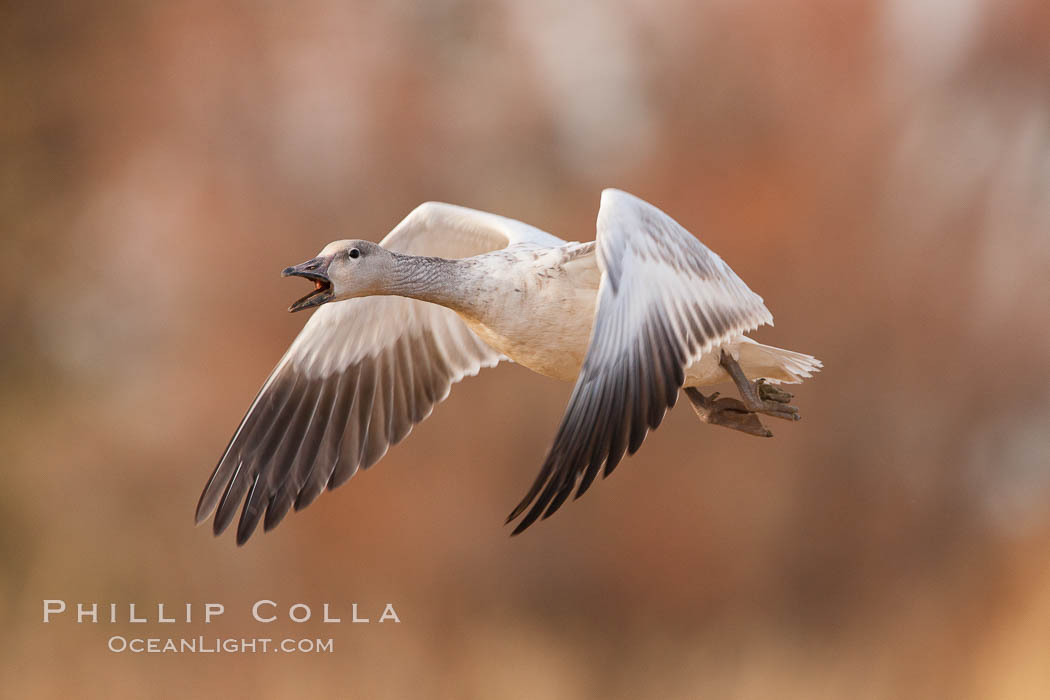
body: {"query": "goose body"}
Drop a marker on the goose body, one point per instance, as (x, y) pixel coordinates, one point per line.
(533, 304)
(632, 317)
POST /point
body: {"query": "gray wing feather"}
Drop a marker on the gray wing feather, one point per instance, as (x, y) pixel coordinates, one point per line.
(357, 378)
(664, 300)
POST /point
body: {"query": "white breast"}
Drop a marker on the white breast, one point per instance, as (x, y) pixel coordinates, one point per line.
(540, 307)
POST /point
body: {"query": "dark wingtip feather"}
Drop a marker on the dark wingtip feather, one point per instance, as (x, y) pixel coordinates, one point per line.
(541, 479)
(585, 483)
(305, 498)
(563, 493)
(245, 529)
(250, 517)
(216, 488)
(280, 504)
(527, 521)
(200, 515)
(538, 505)
(219, 525)
(231, 498)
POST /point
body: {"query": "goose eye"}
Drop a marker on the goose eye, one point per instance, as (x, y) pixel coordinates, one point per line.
(354, 253)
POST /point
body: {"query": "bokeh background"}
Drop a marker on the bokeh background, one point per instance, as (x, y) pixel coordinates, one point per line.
(878, 171)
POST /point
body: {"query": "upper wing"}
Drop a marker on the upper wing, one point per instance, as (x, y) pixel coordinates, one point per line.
(664, 300)
(360, 374)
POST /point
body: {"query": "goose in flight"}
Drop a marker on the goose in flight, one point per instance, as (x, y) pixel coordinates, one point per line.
(632, 317)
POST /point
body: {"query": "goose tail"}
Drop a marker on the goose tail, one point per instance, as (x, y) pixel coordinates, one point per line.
(776, 364)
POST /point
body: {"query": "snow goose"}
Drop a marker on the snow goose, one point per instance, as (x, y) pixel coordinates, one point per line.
(644, 310)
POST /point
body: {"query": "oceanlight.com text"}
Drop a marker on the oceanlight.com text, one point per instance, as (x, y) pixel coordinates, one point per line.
(119, 644)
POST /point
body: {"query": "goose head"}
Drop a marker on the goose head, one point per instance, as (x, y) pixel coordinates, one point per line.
(343, 270)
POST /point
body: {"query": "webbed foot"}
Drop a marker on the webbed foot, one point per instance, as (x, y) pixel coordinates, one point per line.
(760, 396)
(727, 412)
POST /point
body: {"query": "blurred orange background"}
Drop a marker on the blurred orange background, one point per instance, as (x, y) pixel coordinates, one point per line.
(878, 171)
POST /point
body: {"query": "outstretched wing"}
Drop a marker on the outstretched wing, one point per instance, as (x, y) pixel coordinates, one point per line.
(664, 300)
(360, 374)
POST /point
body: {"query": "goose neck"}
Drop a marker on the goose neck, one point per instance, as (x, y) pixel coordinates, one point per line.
(436, 280)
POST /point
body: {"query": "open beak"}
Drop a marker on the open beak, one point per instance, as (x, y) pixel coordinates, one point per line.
(316, 271)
